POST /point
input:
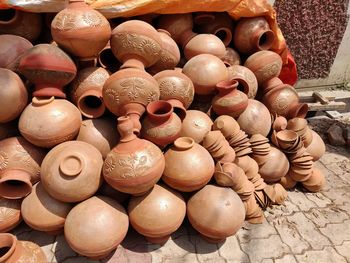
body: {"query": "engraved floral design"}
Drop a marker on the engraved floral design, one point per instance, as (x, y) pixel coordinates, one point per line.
(126, 40)
(133, 87)
(167, 87)
(8, 208)
(32, 253)
(64, 21)
(113, 95)
(152, 96)
(133, 165)
(92, 19)
(109, 164)
(4, 160)
(149, 47)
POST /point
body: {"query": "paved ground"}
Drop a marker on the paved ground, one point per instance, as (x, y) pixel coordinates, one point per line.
(312, 228)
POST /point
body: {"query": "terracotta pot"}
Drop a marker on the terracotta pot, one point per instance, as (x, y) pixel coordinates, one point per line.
(100, 133)
(19, 167)
(10, 214)
(73, 28)
(107, 224)
(279, 123)
(216, 212)
(287, 182)
(107, 60)
(316, 182)
(49, 68)
(270, 84)
(231, 57)
(265, 65)
(86, 92)
(135, 165)
(204, 44)
(15, 251)
(218, 147)
(227, 125)
(48, 122)
(255, 118)
(42, 212)
(157, 214)
(246, 78)
(71, 171)
(205, 71)
(20, 23)
(196, 125)
(13, 95)
(252, 35)
(9, 129)
(317, 147)
(161, 125)
(276, 166)
(188, 165)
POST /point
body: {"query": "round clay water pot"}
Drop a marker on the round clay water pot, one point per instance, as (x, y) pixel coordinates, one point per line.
(204, 44)
(47, 122)
(317, 147)
(10, 214)
(276, 166)
(96, 226)
(216, 212)
(13, 95)
(246, 78)
(188, 165)
(231, 57)
(157, 214)
(196, 125)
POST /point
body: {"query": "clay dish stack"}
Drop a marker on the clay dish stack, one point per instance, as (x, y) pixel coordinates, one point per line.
(261, 147)
(300, 126)
(279, 123)
(218, 147)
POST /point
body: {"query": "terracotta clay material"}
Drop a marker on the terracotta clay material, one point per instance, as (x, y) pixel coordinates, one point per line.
(10, 214)
(107, 60)
(231, 57)
(196, 125)
(13, 95)
(157, 214)
(276, 167)
(204, 44)
(228, 126)
(317, 147)
(107, 224)
(246, 78)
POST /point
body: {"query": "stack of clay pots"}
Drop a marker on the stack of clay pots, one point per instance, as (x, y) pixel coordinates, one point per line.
(140, 123)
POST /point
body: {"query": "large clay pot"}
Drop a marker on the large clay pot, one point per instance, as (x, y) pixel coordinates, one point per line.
(19, 167)
(161, 125)
(135, 165)
(81, 30)
(15, 251)
(231, 57)
(20, 23)
(71, 171)
(96, 226)
(10, 214)
(49, 68)
(276, 166)
(252, 35)
(229, 101)
(216, 212)
(13, 95)
(196, 125)
(204, 44)
(317, 147)
(44, 213)
(48, 122)
(246, 79)
(205, 71)
(188, 165)
(157, 214)
(86, 92)
(255, 118)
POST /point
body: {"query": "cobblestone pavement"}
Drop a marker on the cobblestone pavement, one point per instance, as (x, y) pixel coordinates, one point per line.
(312, 228)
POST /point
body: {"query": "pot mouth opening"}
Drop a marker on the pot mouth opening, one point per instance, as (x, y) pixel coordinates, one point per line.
(225, 35)
(7, 246)
(13, 189)
(159, 108)
(184, 143)
(266, 40)
(8, 15)
(91, 106)
(107, 60)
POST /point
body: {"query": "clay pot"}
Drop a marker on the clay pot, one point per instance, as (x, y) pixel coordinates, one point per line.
(157, 214)
(265, 65)
(317, 147)
(161, 125)
(107, 60)
(276, 166)
(287, 182)
(80, 30)
(270, 84)
(188, 165)
(135, 165)
(42, 212)
(316, 181)
(48, 122)
(255, 118)
(252, 35)
(231, 57)
(49, 68)
(96, 226)
(20, 23)
(246, 78)
(19, 167)
(15, 251)
(10, 214)
(100, 133)
(205, 71)
(71, 172)
(13, 95)
(279, 123)
(229, 101)
(86, 92)
(196, 125)
(216, 212)
(204, 44)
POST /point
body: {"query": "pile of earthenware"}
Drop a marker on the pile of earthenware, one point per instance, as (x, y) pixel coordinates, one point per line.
(144, 124)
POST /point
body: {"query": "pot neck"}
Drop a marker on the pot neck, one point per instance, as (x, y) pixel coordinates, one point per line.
(12, 19)
(184, 143)
(133, 63)
(15, 248)
(77, 3)
(41, 101)
(227, 86)
(126, 129)
(15, 184)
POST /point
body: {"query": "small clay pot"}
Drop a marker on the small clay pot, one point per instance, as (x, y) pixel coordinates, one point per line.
(276, 166)
(317, 147)
(231, 57)
(246, 78)
(196, 125)
(10, 214)
(279, 123)
(204, 44)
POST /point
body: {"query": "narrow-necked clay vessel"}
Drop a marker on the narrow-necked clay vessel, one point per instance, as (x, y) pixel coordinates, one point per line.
(107, 60)
(15, 251)
(317, 147)
(135, 165)
(216, 212)
(205, 71)
(188, 165)
(196, 125)
(96, 226)
(13, 95)
(252, 35)
(231, 57)
(157, 214)
(86, 92)
(246, 79)
(10, 214)
(48, 122)
(20, 23)
(49, 68)
(71, 171)
(204, 44)
(161, 125)
(276, 166)
(19, 167)
(44, 213)
(80, 30)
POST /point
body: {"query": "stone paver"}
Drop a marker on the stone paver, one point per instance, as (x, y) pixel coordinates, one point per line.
(232, 252)
(337, 233)
(344, 250)
(286, 259)
(328, 255)
(322, 217)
